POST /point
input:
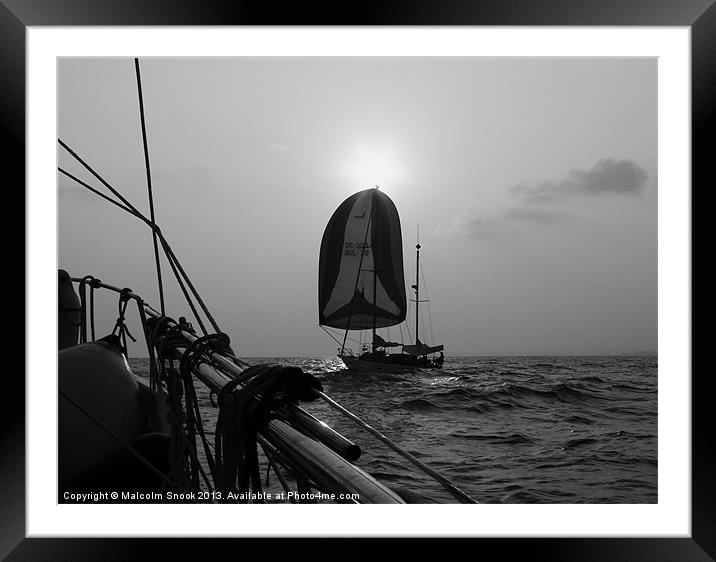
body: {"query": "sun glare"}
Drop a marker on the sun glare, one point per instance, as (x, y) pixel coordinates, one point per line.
(370, 165)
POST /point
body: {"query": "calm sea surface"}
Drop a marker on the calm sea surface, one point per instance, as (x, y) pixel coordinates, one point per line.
(503, 429)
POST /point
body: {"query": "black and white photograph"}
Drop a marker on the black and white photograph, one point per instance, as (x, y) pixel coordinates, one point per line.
(436, 259)
(357, 280)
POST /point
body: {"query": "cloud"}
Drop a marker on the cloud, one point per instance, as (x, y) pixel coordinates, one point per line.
(622, 177)
(544, 192)
(608, 176)
(478, 227)
(542, 204)
(465, 224)
(538, 216)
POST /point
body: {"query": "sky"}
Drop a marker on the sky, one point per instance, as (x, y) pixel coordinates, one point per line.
(533, 182)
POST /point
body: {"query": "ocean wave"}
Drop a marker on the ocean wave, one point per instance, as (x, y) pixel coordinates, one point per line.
(513, 438)
(458, 393)
(540, 496)
(479, 408)
(418, 404)
(576, 418)
(574, 443)
(632, 387)
(501, 426)
(568, 393)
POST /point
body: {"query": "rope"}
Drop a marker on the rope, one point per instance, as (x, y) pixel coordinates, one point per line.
(195, 425)
(174, 264)
(177, 269)
(335, 339)
(244, 412)
(153, 366)
(129, 208)
(149, 184)
(120, 327)
(272, 464)
(177, 437)
(173, 261)
(192, 356)
(95, 174)
(185, 417)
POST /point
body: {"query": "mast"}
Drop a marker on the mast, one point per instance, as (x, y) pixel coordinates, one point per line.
(417, 284)
(374, 250)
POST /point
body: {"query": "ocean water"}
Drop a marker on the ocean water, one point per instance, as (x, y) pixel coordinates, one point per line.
(503, 429)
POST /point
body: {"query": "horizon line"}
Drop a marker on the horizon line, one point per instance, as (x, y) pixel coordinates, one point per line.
(541, 354)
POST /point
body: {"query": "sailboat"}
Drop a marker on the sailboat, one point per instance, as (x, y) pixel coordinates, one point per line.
(361, 285)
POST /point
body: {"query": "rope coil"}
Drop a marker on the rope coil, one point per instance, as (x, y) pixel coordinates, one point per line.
(244, 412)
(120, 328)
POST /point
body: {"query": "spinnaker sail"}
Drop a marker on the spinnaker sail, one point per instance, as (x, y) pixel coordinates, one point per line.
(360, 281)
(361, 284)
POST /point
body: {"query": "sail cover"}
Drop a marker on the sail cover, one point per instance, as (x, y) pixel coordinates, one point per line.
(361, 240)
(380, 342)
(422, 349)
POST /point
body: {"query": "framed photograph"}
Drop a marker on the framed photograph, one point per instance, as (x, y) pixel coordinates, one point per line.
(493, 204)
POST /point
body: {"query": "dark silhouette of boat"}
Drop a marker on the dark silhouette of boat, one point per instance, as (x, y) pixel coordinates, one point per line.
(361, 285)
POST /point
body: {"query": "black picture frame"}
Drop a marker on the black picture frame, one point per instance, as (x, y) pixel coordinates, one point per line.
(17, 15)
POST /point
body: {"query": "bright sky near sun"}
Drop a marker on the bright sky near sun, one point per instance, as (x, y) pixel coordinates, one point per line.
(533, 181)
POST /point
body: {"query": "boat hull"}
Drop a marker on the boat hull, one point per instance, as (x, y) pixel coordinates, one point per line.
(354, 363)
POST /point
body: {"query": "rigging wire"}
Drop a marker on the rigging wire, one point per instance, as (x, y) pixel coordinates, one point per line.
(333, 337)
(171, 256)
(407, 329)
(128, 207)
(149, 184)
(95, 174)
(173, 261)
(427, 306)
